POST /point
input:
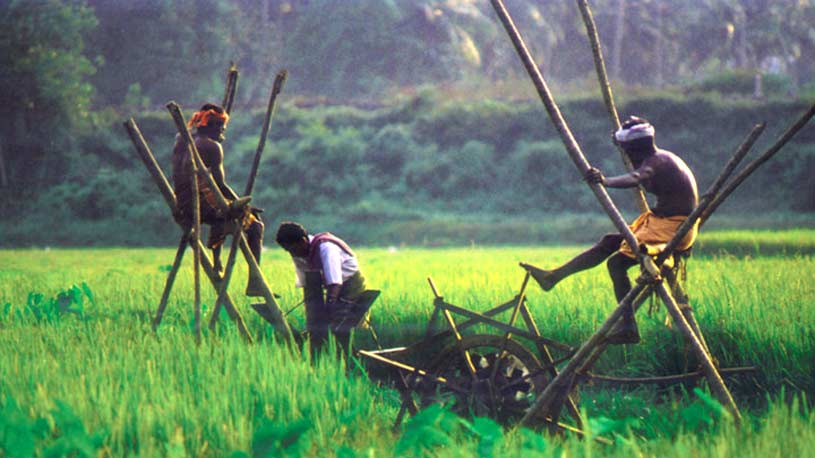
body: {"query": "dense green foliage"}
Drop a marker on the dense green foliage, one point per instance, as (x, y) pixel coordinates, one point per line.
(88, 378)
(427, 172)
(471, 158)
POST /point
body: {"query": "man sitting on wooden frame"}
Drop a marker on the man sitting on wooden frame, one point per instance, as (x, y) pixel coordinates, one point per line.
(661, 173)
(210, 124)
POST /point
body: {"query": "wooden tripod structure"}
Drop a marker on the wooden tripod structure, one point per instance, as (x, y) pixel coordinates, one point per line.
(191, 235)
(551, 400)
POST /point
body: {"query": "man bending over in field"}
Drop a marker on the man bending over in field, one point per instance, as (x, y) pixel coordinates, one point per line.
(321, 261)
(661, 173)
(210, 124)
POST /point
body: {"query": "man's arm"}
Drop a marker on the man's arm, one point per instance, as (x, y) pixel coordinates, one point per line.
(331, 257)
(213, 156)
(629, 180)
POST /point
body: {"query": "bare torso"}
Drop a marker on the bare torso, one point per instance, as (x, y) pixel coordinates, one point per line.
(665, 175)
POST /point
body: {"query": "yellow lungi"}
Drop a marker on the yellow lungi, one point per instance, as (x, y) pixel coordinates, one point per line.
(656, 231)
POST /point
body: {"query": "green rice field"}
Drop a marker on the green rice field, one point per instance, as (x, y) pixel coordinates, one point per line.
(82, 373)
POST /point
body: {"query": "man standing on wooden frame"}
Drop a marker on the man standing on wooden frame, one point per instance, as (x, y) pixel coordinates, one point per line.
(323, 261)
(661, 173)
(210, 124)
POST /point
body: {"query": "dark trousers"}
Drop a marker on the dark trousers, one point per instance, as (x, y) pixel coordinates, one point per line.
(320, 317)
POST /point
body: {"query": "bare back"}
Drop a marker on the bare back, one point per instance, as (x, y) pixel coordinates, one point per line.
(671, 180)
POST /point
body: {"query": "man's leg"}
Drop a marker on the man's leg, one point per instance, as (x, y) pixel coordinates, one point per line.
(627, 332)
(316, 313)
(254, 237)
(350, 291)
(547, 279)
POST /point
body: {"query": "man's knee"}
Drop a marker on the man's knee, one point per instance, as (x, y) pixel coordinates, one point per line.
(610, 242)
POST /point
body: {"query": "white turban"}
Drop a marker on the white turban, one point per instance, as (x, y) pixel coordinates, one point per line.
(634, 132)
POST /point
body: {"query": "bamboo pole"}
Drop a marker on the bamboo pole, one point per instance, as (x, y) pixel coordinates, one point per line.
(168, 284)
(202, 170)
(231, 87)
(164, 187)
(195, 236)
(231, 309)
(605, 89)
(281, 325)
(711, 373)
(230, 263)
(709, 196)
(279, 81)
(751, 167)
(560, 124)
(150, 162)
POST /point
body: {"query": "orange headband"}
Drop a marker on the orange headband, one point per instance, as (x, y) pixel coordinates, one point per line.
(203, 118)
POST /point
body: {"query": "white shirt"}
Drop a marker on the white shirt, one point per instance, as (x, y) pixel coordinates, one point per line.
(338, 265)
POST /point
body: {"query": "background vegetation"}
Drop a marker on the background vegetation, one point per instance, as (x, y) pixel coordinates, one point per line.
(419, 125)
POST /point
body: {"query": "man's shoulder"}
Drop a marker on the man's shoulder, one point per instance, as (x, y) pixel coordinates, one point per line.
(664, 156)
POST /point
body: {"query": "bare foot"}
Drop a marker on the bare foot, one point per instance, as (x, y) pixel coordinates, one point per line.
(545, 278)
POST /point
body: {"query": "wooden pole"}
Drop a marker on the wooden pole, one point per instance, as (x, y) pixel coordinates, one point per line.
(150, 162)
(168, 284)
(563, 381)
(279, 81)
(280, 323)
(708, 197)
(711, 373)
(605, 89)
(201, 168)
(231, 309)
(231, 87)
(230, 263)
(195, 236)
(164, 187)
(560, 124)
(751, 167)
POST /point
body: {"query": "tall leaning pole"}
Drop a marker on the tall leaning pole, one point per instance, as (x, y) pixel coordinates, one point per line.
(548, 401)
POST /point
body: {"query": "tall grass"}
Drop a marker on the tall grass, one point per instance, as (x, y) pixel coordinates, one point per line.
(133, 392)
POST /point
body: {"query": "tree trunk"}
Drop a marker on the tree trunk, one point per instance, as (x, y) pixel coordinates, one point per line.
(619, 33)
(3, 175)
(659, 49)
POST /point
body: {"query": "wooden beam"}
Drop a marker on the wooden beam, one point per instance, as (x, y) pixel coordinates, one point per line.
(560, 125)
(751, 167)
